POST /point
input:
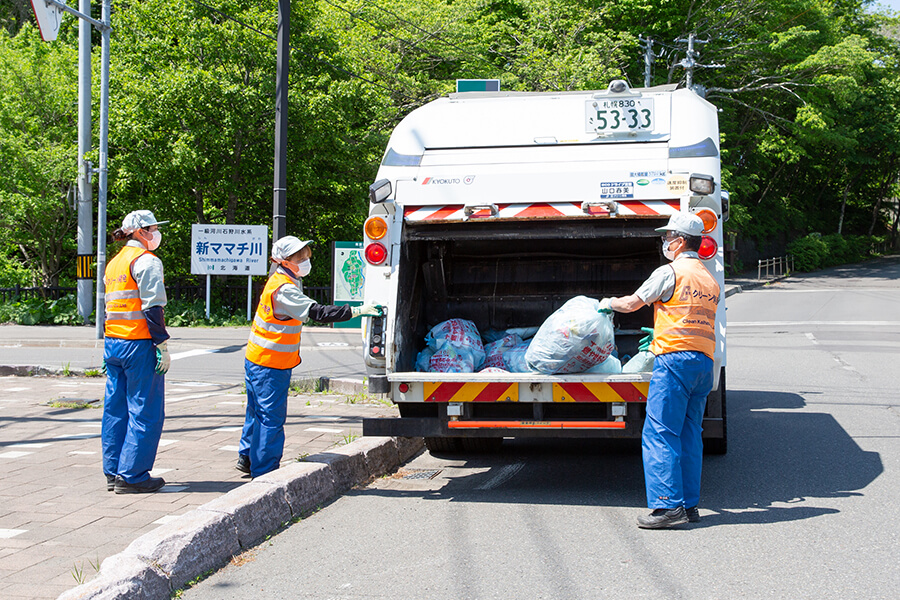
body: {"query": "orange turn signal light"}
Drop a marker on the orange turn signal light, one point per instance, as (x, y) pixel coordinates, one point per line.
(709, 219)
(375, 228)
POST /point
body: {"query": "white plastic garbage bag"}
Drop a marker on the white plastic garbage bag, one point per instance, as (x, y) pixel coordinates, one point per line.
(492, 335)
(639, 363)
(515, 358)
(495, 350)
(573, 339)
(457, 345)
(610, 366)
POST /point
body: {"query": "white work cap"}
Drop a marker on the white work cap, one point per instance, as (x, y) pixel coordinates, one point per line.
(683, 223)
(139, 219)
(287, 246)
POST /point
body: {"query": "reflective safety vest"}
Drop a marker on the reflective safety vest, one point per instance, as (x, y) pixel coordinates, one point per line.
(124, 317)
(274, 342)
(687, 321)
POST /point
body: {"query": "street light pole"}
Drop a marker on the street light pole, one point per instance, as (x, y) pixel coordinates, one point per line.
(279, 208)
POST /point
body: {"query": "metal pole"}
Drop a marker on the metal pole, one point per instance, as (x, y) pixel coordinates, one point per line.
(85, 204)
(279, 226)
(249, 294)
(101, 188)
(208, 278)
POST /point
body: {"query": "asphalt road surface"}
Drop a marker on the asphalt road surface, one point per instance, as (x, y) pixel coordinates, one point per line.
(802, 506)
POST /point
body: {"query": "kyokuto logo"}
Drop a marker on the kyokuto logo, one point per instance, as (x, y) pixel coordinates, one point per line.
(468, 179)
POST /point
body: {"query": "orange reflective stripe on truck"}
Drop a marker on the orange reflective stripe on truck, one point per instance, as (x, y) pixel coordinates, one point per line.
(456, 391)
(622, 391)
(536, 425)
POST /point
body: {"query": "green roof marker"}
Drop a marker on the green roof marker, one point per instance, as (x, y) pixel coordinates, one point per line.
(477, 85)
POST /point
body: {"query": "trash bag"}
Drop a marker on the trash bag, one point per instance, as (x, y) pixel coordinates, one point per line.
(640, 363)
(460, 343)
(495, 350)
(423, 360)
(610, 366)
(515, 358)
(573, 339)
(492, 335)
(493, 370)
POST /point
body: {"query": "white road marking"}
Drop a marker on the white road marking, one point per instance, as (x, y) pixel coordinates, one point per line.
(8, 533)
(192, 397)
(77, 436)
(167, 442)
(28, 445)
(14, 454)
(158, 472)
(818, 290)
(812, 338)
(801, 323)
(81, 452)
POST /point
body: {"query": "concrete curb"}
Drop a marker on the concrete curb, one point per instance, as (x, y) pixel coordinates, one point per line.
(206, 538)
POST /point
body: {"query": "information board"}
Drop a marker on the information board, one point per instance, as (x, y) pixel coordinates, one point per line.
(229, 249)
(348, 278)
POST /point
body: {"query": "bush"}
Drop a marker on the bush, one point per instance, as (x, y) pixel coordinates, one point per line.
(37, 311)
(809, 252)
(192, 313)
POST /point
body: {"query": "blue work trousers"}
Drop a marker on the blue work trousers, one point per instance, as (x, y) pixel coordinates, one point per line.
(262, 438)
(134, 409)
(672, 437)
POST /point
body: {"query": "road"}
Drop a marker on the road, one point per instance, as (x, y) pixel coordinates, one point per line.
(802, 506)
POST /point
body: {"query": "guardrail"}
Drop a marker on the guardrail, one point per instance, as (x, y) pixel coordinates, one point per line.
(779, 266)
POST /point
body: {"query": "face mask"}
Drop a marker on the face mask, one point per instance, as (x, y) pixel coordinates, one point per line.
(153, 242)
(668, 252)
(298, 270)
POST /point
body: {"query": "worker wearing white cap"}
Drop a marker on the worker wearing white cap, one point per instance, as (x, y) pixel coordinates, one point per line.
(273, 350)
(684, 296)
(135, 356)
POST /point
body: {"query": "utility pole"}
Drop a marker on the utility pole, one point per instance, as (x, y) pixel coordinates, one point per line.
(689, 63)
(85, 199)
(649, 57)
(279, 208)
(100, 307)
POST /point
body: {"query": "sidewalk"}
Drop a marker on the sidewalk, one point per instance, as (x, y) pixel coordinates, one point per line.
(58, 522)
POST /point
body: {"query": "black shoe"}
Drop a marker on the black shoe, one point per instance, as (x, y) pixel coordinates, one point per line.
(662, 518)
(110, 482)
(243, 463)
(693, 514)
(145, 487)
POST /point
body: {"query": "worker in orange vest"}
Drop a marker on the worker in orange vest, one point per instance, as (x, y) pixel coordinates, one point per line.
(273, 350)
(135, 357)
(684, 296)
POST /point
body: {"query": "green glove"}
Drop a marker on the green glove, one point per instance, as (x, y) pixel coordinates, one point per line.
(645, 341)
(162, 358)
(367, 310)
(605, 306)
(103, 367)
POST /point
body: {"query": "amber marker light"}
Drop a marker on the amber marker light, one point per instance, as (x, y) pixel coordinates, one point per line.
(709, 219)
(375, 228)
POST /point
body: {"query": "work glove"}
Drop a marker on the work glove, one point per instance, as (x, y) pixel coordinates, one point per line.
(605, 306)
(103, 367)
(644, 343)
(162, 358)
(367, 310)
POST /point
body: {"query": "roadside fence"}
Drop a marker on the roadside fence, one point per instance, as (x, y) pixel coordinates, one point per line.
(18, 293)
(778, 266)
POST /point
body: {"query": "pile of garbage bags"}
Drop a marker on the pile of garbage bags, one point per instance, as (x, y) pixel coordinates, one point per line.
(577, 338)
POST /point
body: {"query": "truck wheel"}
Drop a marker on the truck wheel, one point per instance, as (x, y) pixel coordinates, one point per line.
(442, 445)
(719, 445)
(481, 445)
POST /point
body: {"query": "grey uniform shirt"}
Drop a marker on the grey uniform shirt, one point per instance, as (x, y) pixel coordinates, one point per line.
(661, 283)
(290, 302)
(147, 271)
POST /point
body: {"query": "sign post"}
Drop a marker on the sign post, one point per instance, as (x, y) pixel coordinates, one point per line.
(229, 250)
(348, 278)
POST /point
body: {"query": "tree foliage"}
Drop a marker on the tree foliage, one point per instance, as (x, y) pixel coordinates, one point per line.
(808, 94)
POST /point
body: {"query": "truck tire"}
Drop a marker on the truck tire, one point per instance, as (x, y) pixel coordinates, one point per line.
(719, 445)
(442, 445)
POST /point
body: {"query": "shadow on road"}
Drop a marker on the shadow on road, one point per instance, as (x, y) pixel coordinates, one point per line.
(779, 456)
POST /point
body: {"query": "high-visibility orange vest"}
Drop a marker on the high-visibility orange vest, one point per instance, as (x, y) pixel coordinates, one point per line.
(124, 317)
(274, 342)
(687, 321)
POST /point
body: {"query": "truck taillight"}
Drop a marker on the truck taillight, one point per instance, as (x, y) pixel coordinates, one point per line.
(709, 218)
(376, 337)
(708, 248)
(375, 228)
(375, 253)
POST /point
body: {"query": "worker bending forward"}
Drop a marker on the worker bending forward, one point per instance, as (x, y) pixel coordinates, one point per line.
(685, 297)
(136, 357)
(273, 350)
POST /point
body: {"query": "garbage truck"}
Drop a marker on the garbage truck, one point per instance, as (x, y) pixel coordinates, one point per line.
(497, 208)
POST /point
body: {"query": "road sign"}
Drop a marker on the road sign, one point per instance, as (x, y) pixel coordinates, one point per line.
(49, 18)
(229, 249)
(477, 85)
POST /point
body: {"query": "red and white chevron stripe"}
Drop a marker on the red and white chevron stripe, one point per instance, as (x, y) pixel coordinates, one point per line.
(549, 210)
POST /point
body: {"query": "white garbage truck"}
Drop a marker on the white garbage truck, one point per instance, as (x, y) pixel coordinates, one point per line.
(498, 207)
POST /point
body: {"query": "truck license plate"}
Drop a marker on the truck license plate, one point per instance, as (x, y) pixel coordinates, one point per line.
(624, 114)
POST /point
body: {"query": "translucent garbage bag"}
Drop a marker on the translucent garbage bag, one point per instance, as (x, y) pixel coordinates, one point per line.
(492, 335)
(451, 360)
(610, 366)
(515, 358)
(493, 370)
(640, 363)
(573, 339)
(423, 360)
(495, 351)
(461, 341)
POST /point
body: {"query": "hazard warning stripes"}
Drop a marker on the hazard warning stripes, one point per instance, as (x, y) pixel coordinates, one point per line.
(540, 210)
(601, 391)
(456, 391)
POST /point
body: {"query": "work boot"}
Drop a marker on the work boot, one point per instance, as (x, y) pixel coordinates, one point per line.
(145, 487)
(243, 463)
(110, 482)
(693, 514)
(662, 518)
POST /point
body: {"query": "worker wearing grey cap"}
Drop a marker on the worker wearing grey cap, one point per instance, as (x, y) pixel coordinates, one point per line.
(273, 350)
(135, 356)
(684, 296)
